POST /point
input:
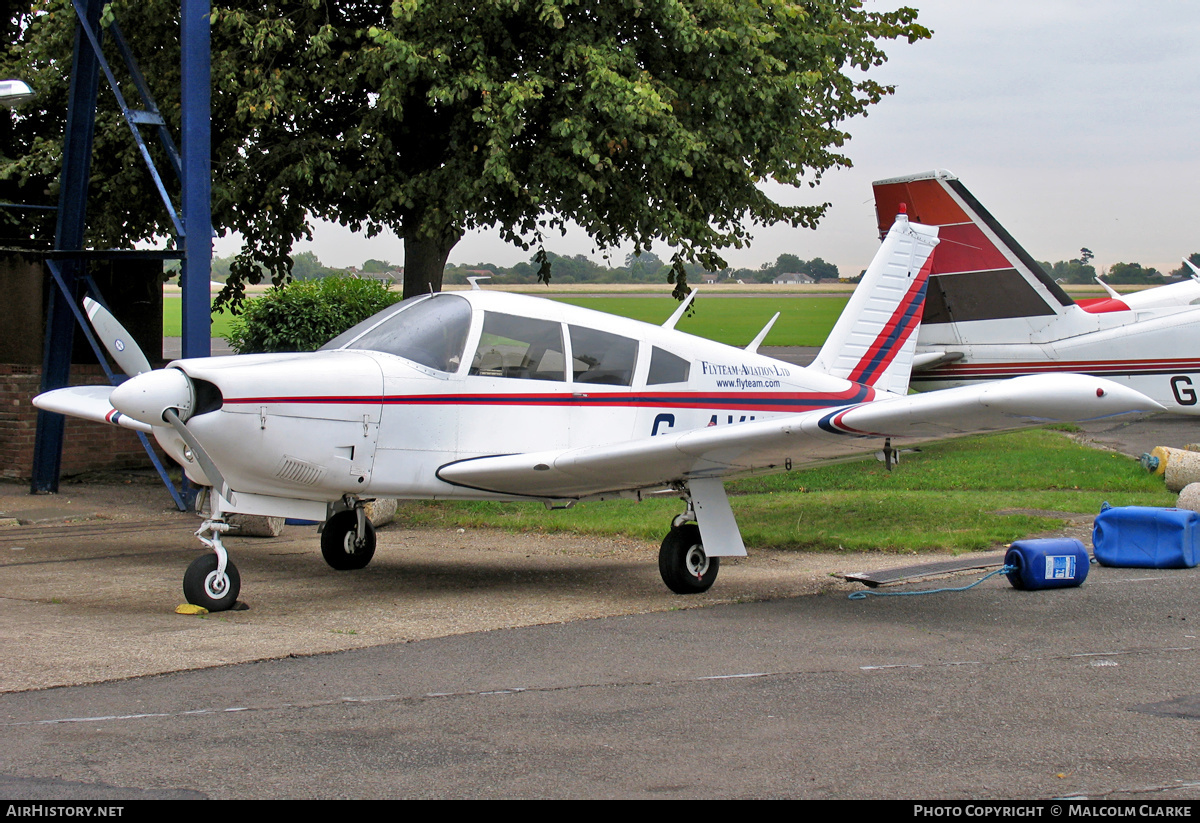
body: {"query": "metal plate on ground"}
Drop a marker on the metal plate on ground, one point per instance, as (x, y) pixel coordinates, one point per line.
(899, 575)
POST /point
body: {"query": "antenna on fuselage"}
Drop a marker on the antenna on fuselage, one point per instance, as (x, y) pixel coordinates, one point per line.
(1111, 291)
(762, 335)
(674, 318)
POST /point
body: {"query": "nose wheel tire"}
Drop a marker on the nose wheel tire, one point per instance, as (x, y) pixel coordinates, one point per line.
(684, 566)
(202, 586)
(340, 545)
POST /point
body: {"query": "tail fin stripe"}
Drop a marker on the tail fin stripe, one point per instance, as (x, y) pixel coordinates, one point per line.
(899, 327)
(966, 248)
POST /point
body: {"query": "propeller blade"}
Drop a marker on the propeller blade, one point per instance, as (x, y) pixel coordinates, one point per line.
(89, 403)
(206, 463)
(117, 339)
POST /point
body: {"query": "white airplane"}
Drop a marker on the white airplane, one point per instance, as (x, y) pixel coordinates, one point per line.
(488, 395)
(1183, 293)
(992, 312)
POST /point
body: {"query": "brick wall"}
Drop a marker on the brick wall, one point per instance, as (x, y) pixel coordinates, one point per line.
(133, 288)
(87, 446)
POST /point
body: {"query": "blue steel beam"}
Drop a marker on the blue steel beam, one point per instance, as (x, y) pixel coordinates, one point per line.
(68, 235)
(196, 274)
(195, 245)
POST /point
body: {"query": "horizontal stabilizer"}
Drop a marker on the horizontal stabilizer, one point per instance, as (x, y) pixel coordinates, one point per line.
(89, 403)
(796, 440)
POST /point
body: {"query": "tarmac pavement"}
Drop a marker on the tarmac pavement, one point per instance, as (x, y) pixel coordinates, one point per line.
(483, 664)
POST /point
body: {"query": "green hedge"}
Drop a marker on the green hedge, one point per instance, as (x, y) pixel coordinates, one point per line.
(305, 315)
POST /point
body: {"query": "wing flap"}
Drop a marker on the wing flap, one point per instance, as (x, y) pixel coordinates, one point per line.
(800, 439)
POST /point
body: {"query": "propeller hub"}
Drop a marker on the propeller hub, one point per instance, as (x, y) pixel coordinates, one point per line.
(147, 396)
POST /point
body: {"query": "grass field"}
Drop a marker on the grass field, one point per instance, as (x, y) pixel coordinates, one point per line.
(963, 495)
(803, 321)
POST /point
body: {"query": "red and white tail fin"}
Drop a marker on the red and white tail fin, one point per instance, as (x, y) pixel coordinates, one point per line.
(980, 272)
(874, 340)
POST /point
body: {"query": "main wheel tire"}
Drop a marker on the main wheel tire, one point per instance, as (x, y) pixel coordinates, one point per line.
(684, 566)
(340, 545)
(202, 586)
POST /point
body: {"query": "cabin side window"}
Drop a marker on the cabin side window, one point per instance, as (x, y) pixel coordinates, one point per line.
(520, 347)
(667, 368)
(601, 357)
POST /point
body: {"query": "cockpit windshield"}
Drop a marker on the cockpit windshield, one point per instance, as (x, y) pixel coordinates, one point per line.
(430, 329)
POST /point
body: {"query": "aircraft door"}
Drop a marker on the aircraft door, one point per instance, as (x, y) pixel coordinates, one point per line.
(602, 370)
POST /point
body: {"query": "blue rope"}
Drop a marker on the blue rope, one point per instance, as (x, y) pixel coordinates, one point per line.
(863, 594)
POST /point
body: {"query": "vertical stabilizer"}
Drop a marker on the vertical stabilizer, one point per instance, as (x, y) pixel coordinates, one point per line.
(874, 339)
(980, 272)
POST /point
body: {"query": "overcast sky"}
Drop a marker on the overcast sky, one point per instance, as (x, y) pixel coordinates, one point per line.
(1075, 123)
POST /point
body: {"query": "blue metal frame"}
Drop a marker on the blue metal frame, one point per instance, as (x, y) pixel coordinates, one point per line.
(196, 275)
(193, 229)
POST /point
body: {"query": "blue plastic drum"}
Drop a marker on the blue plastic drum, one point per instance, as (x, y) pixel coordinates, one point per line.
(1047, 563)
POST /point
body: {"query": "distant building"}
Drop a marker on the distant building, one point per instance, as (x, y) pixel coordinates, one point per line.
(792, 278)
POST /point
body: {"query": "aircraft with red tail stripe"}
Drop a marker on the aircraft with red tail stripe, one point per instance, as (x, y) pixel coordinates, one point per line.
(484, 395)
(993, 312)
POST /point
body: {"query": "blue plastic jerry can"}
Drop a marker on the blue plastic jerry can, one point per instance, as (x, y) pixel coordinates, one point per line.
(1047, 563)
(1147, 538)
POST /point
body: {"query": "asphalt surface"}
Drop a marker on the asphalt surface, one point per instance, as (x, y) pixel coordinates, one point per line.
(480, 664)
(993, 694)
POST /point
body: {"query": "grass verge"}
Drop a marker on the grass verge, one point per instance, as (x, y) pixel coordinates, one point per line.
(804, 321)
(962, 495)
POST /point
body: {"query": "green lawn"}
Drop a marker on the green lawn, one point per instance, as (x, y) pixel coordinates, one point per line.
(173, 321)
(958, 495)
(803, 321)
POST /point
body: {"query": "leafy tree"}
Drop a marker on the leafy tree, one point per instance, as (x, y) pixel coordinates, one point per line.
(306, 266)
(787, 263)
(1184, 271)
(643, 265)
(305, 315)
(378, 266)
(1132, 273)
(821, 270)
(650, 121)
(1071, 271)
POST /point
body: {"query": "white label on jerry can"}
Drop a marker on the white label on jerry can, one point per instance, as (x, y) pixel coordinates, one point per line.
(1060, 567)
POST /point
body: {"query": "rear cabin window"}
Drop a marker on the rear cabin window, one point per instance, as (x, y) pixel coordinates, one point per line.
(667, 368)
(430, 330)
(602, 358)
(520, 347)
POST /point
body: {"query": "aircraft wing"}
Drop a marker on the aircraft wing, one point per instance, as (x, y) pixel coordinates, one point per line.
(88, 402)
(798, 440)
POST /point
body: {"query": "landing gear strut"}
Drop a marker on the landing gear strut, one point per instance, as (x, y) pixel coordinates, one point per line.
(211, 580)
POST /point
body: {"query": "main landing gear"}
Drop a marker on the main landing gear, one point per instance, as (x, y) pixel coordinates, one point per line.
(682, 562)
(684, 566)
(348, 539)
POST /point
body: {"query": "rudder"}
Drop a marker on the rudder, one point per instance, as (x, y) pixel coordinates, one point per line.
(874, 340)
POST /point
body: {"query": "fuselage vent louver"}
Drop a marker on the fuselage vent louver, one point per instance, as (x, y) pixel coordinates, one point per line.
(300, 472)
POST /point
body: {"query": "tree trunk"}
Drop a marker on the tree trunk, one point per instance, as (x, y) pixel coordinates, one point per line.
(424, 263)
